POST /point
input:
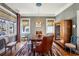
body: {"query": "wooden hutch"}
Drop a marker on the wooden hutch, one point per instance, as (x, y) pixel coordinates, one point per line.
(63, 31)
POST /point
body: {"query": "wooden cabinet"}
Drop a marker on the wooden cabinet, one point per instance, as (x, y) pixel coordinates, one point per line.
(65, 31)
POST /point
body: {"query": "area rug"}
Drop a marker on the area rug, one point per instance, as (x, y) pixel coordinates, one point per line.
(24, 51)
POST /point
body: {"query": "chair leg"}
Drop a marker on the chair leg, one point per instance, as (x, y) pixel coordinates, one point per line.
(15, 46)
(5, 50)
(65, 47)
(33, 53)
(51, 52)
(11, 50)
(48, 53)
(70, 50)
(75, 51)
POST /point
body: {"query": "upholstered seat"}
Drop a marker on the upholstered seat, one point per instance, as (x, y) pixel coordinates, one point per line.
(70, 45)
(11, 44)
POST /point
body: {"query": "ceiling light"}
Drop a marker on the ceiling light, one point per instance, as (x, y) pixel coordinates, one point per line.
(38, 4)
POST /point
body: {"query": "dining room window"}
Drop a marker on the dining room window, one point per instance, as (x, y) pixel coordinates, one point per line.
(7, 27)
(49, 25)
(25, 25)
(24, 28)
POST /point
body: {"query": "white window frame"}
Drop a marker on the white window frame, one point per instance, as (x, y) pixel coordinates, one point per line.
(47, 25)
(29, 25)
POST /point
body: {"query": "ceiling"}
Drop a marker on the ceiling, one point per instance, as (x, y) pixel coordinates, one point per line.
(46, 9)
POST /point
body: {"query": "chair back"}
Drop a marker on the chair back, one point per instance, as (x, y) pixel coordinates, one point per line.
(74, 39)
(39, 33)
(2, 43)
(50, 38)
(46, 43)
(6, 39)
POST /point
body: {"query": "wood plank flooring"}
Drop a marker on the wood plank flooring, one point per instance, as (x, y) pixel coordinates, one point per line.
(63, 52)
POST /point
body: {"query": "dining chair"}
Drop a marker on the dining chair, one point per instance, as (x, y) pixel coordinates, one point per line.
(72, 44)
(45, 47)
(9, 44)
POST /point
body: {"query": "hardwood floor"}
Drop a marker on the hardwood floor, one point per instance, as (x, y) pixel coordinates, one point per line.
(18, 47)
(62, 52)
(57, 50)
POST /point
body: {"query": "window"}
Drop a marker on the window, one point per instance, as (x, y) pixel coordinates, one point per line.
(49, 25)
(25, 25)
(6, 27)
(15, 28)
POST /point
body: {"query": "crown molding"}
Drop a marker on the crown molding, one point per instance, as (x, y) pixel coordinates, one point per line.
(7, 8)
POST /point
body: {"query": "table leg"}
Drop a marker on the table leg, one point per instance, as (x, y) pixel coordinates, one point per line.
(51, 51)
(33, 52)
(11, 50)
(15, 46)
(5, 50)
(32, 46)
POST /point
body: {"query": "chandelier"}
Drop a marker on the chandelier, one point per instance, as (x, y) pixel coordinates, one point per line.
(38, 4)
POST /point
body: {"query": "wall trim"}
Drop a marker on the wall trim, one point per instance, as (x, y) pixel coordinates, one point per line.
(8, 8)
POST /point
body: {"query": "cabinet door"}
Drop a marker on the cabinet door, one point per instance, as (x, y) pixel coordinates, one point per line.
(68, 30)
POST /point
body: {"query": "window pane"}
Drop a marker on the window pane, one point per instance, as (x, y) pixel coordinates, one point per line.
(25, 25)
(50, 29)
(49, 26)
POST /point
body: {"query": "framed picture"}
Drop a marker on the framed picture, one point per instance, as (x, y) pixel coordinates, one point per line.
(38, 23)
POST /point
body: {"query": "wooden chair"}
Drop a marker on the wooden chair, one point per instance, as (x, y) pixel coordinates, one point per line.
(72, 44)
(2, 46)
(9, 44)
(45, 46)
(51, 39)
